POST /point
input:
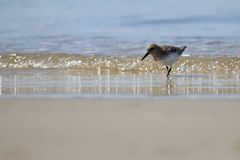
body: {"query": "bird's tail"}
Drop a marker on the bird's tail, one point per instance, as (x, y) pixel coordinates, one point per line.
(182, 49)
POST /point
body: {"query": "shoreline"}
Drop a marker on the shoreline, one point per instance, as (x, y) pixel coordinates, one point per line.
(123, 97)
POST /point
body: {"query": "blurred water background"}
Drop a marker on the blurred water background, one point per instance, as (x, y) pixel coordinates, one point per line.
(208, 27)
(94, 47)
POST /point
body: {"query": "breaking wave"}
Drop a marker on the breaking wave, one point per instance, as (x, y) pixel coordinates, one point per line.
(187, 64)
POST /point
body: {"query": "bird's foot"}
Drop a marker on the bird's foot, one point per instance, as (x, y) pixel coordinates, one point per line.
(168, 75)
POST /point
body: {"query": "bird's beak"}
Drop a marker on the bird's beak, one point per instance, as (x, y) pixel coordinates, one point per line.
(145, 55)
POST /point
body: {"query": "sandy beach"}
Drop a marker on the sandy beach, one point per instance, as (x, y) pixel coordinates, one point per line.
(119, 129)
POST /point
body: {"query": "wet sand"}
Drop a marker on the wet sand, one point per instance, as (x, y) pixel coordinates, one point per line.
(129, 129)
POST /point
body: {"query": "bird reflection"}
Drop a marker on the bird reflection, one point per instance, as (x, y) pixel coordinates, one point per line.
(169, 84)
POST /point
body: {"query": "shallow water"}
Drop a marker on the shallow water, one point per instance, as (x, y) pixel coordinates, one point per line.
(95, 83)
(75, 75)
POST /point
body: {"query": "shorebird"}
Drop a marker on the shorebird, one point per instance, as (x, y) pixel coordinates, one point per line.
(167, 55)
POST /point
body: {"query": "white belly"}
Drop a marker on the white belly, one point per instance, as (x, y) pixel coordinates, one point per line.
(172, 58)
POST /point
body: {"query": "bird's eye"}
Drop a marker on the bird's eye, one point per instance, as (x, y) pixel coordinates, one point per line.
(150, 49)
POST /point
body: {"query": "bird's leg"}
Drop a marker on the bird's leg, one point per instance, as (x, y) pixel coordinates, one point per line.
(169, 70)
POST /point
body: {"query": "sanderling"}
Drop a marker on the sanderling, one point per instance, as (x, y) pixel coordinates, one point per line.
(166, 54)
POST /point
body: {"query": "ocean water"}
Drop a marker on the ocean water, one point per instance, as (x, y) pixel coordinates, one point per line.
(94, 47)
(119, 27)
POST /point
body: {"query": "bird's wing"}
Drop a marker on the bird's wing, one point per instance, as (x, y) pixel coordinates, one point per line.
(169, 49)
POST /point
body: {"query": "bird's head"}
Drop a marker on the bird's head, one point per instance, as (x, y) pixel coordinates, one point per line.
(150, 49)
